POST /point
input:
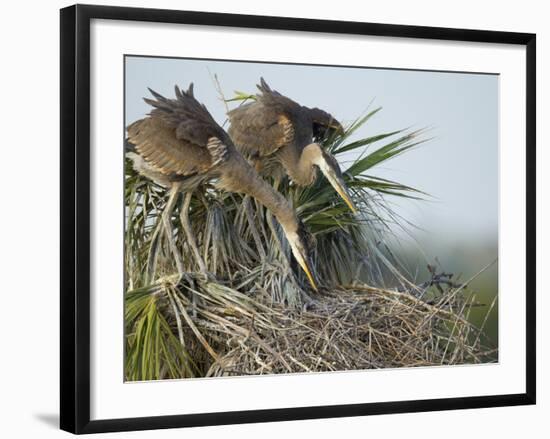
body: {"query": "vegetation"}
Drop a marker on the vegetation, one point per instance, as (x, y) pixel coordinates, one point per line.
(254, 313)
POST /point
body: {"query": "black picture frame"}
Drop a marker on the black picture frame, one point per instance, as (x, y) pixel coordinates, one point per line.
(75, 217)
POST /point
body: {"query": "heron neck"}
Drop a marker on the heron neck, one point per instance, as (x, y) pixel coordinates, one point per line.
(242, 178)
(299, 165)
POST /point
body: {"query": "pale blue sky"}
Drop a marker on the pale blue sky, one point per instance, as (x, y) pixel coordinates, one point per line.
(458, 167)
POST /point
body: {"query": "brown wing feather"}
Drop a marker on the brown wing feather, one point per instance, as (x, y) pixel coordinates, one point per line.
(179, 137)
(187, 116)
(259, 131)
(273, 99)
(156, 142)
(323, 123)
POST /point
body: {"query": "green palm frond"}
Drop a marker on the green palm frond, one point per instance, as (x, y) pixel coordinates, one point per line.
(241, 97)
(153, 351)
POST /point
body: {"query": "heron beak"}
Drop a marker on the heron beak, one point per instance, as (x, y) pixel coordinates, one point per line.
(340, 187)
(306, 266)
(305, 262)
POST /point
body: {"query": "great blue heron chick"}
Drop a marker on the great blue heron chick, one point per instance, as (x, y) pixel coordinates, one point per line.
(179, 145)
(277, 132)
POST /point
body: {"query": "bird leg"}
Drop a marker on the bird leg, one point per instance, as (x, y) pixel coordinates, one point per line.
(166, 224)
(186, 225)
(153, 253)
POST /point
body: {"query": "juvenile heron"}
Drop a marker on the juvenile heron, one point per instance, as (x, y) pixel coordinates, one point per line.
(280, 135)
(179, 145)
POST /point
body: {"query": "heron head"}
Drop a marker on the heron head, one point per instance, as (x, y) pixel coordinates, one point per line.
(329, 166)
(300, 244)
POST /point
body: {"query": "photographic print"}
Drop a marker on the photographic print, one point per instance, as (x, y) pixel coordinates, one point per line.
(287, 218)
(336, 217)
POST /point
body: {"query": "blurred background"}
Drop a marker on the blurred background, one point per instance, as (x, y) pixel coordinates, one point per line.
(456, 227)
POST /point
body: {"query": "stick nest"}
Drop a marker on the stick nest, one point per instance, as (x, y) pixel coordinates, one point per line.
(222, 331)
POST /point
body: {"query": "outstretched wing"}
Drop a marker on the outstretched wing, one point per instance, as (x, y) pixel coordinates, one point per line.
(191, 120)
(323, 123)
(259, 131)
(179, 137)
(261, 127)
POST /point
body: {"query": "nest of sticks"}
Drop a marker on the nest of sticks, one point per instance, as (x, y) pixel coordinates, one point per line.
(222, 331)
